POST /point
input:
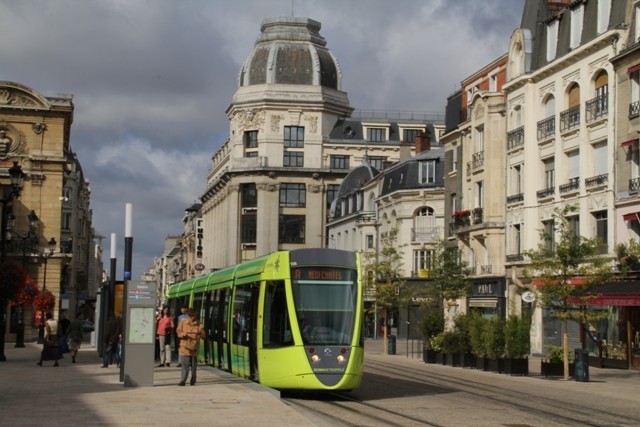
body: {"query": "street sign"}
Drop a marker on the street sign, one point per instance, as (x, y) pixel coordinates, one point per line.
(528, 296)
(199, 267)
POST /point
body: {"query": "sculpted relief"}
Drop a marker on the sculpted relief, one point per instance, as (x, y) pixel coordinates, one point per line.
(11, 143)
(250, 119)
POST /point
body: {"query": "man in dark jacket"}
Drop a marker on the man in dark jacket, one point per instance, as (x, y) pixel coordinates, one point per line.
(112, 334)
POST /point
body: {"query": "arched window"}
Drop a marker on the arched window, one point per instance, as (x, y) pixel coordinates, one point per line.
(424, 225)
(599, 106)
(570, 118)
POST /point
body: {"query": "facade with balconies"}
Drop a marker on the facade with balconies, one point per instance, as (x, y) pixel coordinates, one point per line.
(558, 90)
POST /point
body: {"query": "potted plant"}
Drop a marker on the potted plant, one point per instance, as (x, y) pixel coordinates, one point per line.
(553, 365)
(493, 336)
(435, 343)
(476, 339)
(517, 345)
(430, 325)
(628, 255)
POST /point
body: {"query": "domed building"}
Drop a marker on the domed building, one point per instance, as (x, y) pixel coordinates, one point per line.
(291, 142)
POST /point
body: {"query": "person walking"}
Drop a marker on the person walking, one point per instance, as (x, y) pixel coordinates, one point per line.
(164, 332)
(112, 334)
(183, 315)
(51, 345)
(74, 336)
(190, 331)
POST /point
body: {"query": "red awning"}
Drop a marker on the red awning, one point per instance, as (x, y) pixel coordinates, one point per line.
(629, 142)
(633, 69)
(630, 216)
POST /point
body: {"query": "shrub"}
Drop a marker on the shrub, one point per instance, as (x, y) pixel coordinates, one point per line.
(430, 325)
(555, 353)
(476, 337)
(517, 339)
(493, 337)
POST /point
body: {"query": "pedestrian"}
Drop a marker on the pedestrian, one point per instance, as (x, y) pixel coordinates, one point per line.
(51, 344)
(190, 331)
(112, 334)
(183, 315)
(164, 331)
(74, 336)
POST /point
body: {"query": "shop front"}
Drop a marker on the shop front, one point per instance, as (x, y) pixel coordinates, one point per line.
(614, 341)
(487, 297)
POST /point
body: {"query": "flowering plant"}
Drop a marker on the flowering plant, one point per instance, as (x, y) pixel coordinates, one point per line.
(460, 214)
(44, 301)
(12, 279)
(27, 294)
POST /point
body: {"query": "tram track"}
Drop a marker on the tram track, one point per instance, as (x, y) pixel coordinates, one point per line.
(569, 412)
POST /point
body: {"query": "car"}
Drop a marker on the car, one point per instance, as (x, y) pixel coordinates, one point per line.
(87, 326)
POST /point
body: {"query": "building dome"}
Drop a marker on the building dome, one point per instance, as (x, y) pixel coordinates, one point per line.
(290, 51)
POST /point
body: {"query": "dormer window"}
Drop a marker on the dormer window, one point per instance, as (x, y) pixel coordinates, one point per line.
(376, 134)
(577, 16)
(552, 39)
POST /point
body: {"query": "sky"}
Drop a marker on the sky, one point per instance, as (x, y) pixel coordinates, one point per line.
(151, 81)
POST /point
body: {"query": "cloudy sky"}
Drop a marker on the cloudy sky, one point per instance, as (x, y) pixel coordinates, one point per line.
(151, 80)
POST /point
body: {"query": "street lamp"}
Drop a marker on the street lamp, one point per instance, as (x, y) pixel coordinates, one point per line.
(52, 247)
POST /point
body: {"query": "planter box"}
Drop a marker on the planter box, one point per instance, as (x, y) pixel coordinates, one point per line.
(441, 358)
(453, 359)
(482, 363)
(494, 365)
(429, 356)
(554, 369)
(513, 366)
(467, 360)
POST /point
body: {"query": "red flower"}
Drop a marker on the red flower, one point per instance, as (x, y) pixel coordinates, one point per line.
(27, 294)
(44, 301)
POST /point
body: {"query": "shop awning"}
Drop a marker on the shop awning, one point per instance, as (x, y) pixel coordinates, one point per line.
(622, 293)
(483, 302)
(633, 69)
(631, 216)
(629, 142)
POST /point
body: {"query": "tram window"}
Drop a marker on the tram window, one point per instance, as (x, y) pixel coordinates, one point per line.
(276, 327)
(241, 314)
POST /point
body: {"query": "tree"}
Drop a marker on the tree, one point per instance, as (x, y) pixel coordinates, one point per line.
(564, 267)
(12, 280)
(449, 274)
(382, 269)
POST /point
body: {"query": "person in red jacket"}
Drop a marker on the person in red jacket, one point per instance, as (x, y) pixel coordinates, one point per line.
(164, 332)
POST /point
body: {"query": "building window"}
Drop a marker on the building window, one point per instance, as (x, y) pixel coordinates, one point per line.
(454, 159)
(293, 159)
(549, 228)
(576, 26)
(604, 9)
(516, 239)
(573, 223)
(600, 158)
(376, 134)
(248, 227)
(549, 173)
(422, 260)
(377, 162)
(66, 221)
(339, 162)
(292, 195)
(251, 139)
(249, 196)
(427, 172)
(291, 229)
(369, 238)
(516, 179)
(409, 135)
(294, 137)
(332, 193)
(552, 39)
(573, 163)
(479, 194)
(600, 218)
(478, 139)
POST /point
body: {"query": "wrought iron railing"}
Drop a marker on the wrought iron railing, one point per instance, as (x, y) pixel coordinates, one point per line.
(596, 181)
(515, 258)
(570, 119)
(634, 109)
(546, 128)
(597, 107)
(516, 198)
(572, 185)
(634, 184)
(515, 138)
(546, 192)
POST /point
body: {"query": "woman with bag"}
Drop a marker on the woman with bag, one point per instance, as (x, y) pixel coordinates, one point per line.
(190, 331)
(74, 336)
(51, 348)
(164, 332)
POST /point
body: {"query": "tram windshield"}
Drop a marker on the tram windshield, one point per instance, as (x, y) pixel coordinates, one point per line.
(325, 302)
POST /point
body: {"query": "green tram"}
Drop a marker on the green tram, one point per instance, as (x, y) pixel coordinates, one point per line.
(288, 320)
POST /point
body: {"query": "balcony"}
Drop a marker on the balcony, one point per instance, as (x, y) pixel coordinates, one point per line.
(476, 215)
(547, 192)
(515, 138)
(546, 128)
(460, 219)
(572, 186)
(515, 258)
(516, 198)
(596, 181)
(425, 234)
(570, 119)
(634, 184)
(366, 216)
(634, 109)
(477, 162)
(597, 108)
(485, 269)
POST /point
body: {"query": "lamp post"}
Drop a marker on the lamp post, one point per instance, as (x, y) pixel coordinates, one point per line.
(52, 247)
(8, 193)
(29, 241)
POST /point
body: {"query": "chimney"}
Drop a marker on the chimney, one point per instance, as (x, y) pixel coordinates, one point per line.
(423, 142)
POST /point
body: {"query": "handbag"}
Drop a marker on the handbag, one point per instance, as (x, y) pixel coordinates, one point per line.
(190, 344)
(168, 330)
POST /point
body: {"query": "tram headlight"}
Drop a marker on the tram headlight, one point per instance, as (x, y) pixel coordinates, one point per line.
(315, 358)
(341, 359)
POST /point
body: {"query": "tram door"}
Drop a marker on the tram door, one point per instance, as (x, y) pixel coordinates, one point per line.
(243, 344)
